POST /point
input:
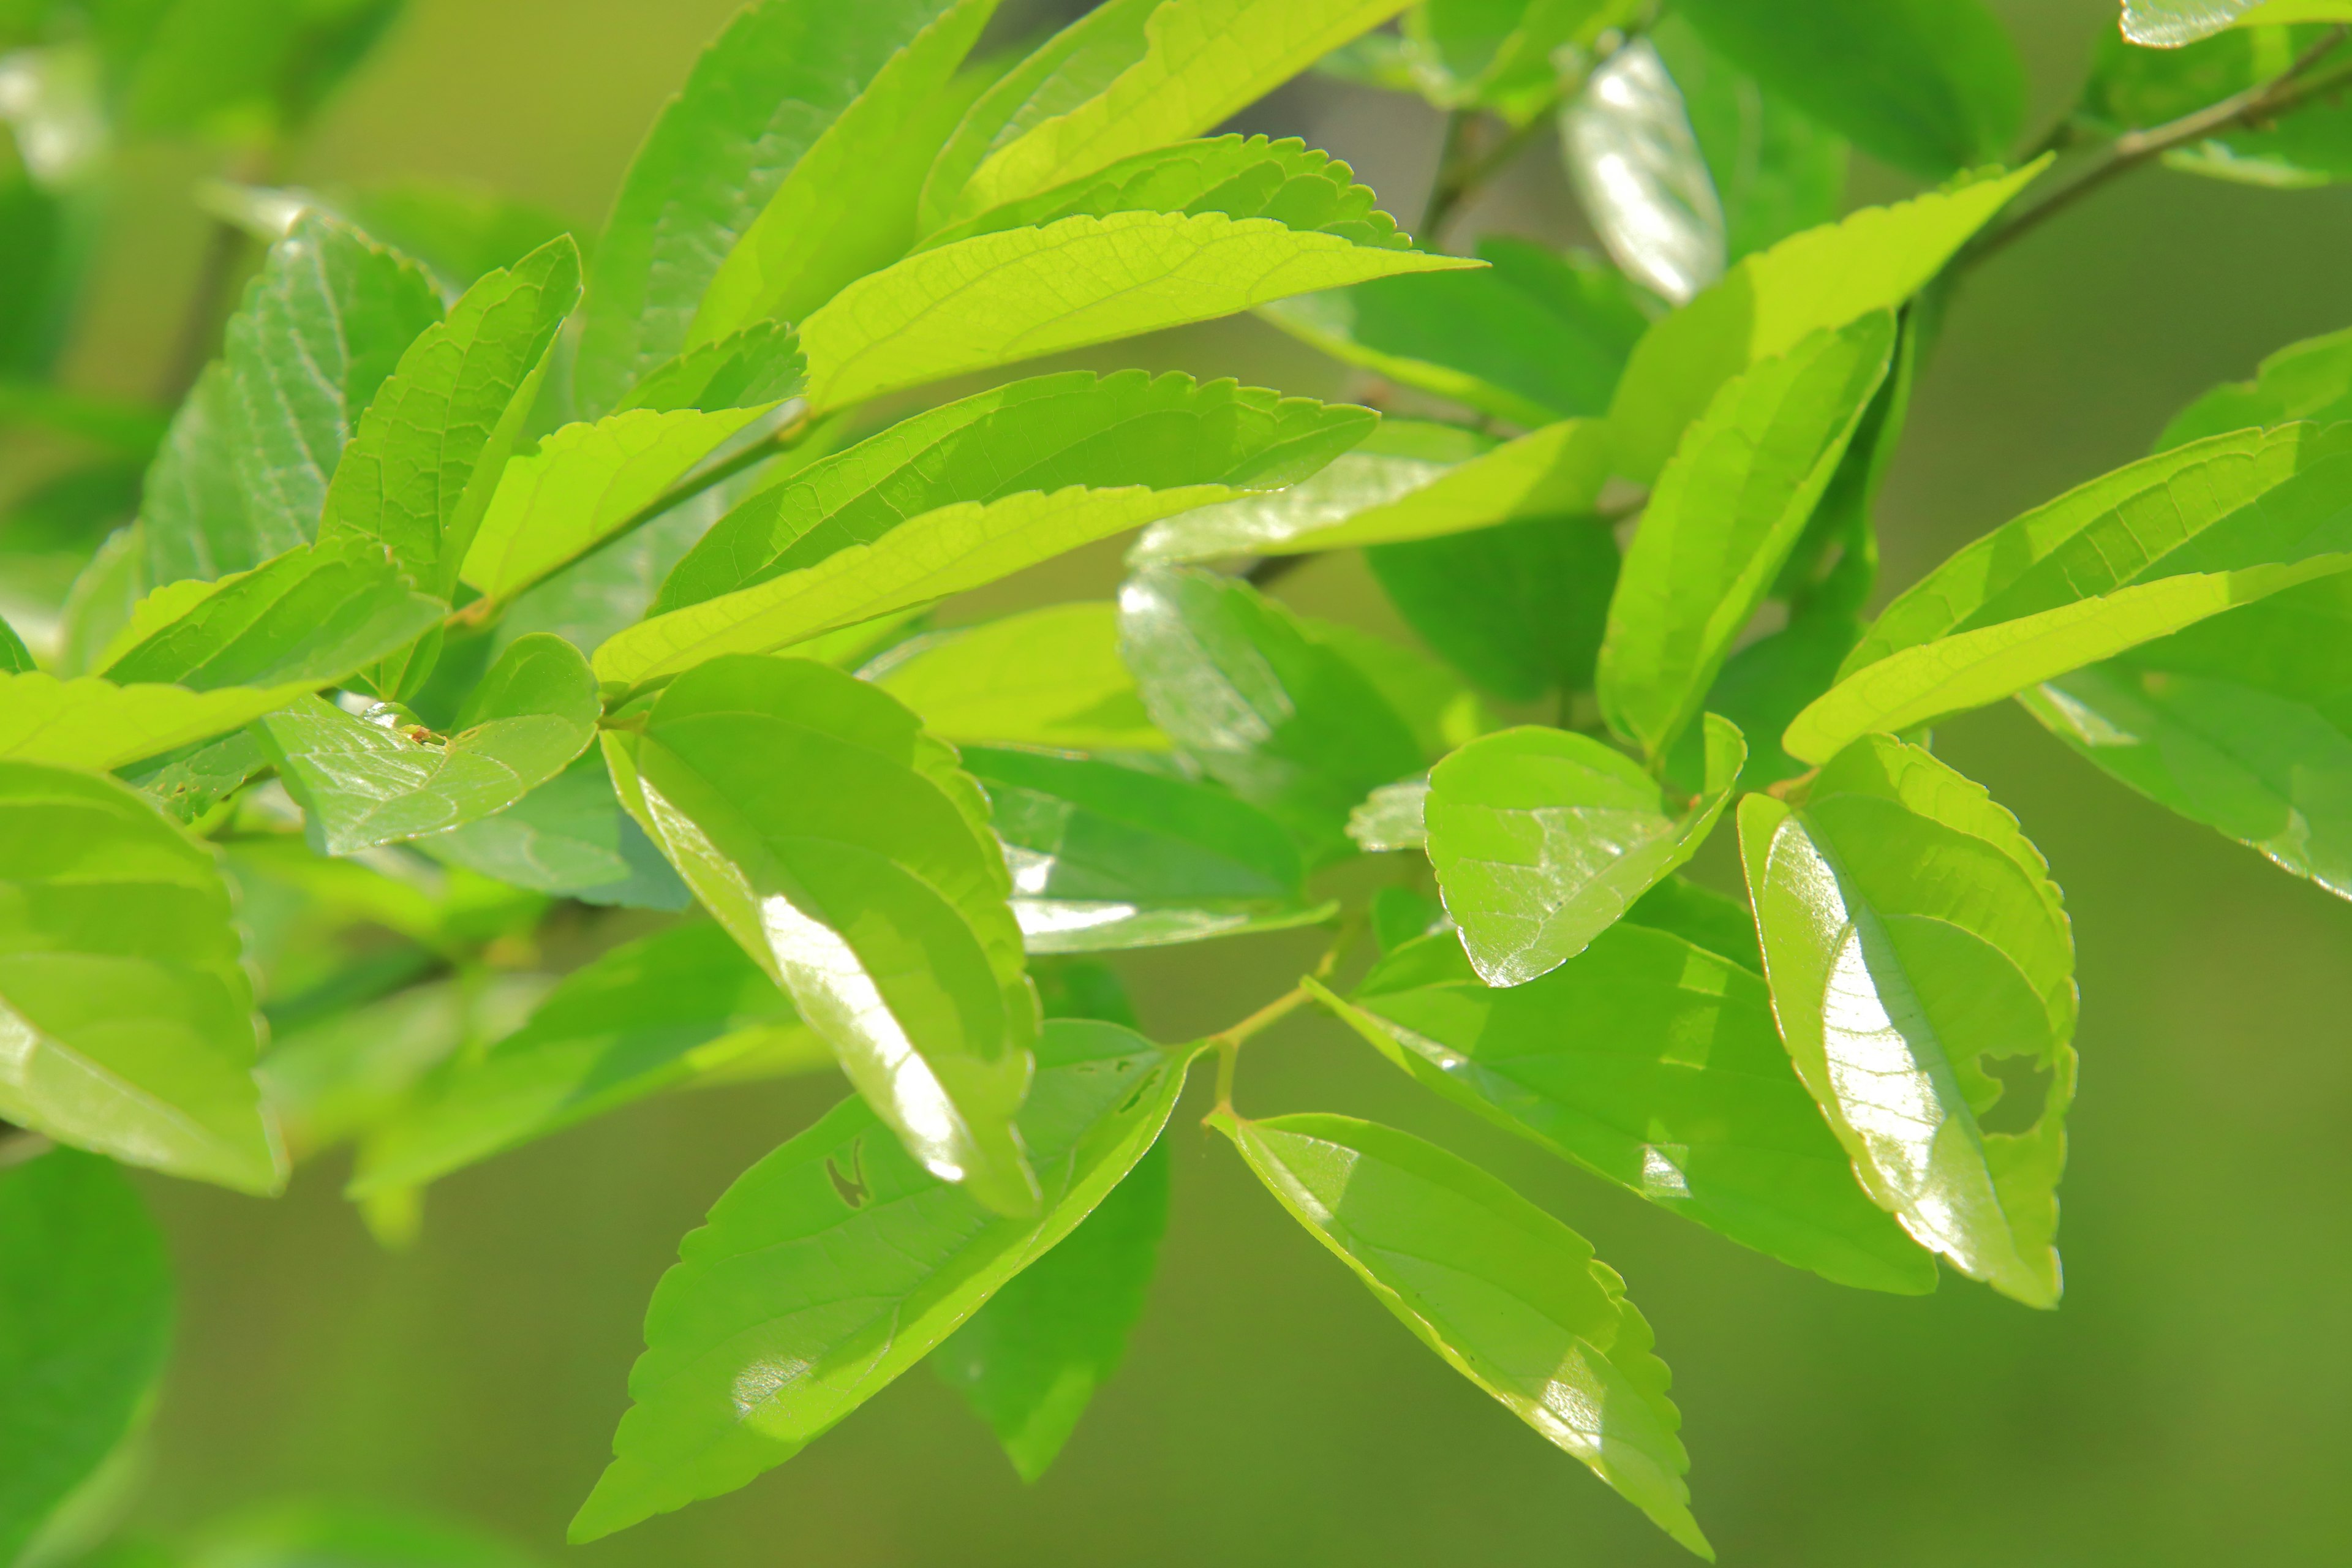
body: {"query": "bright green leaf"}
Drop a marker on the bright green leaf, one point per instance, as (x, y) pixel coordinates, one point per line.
(837, 1262)
(1916, 948)
(998, 298)
(1542, 837)
(1438, 710)
(1043, 678)
(122, 984)
(97, 725)
(871, 891)
(2169, 24)
(1518, 608)
(1725, 515)
(85, 1325)
(2310, 380)
(1654, 1064)
(15, 658)
(758, 367)
(194, 521)
(1508, 1296)
(1640, 177)
(380, 777)
(569, 838)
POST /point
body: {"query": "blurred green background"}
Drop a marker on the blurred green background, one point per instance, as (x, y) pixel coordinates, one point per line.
(2191, 1404)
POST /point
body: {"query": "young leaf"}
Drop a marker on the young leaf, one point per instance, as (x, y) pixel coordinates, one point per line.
(2310, 380)
(1653, 1063)
(85, 1326)
(1045, 677)
(1638, 171)
(1045, 434)
(1533, 337)
(758, 367)
(584, 482)
(848, 207)
(1776, 170)
(568, 838)
(1914, 943)
(649, 1016)
(420, 472)
(1518, 608)
(837, 1262)
(1725, 515)
(1282, 720)
(325, 321)
(756, 103)
(998, 298)
(98, 726)
(1508, 1296)
(131, 1016)
(1106, 857)
(1870, 260)
(1204, 61)
(1929, 86)
(1381, 495)
(380, 778)
(870, 891)
(1542, 837)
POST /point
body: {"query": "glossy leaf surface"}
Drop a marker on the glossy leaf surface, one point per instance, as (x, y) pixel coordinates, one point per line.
(1916, 945)
(85, 1325)
(1507, 1295)
(1046, 434)
(652, 1015)
(568, 838)
(871, 892)
(371, 780)
(1043, 678)
(1543, 837)
(837, 1262)
(1106, 856)
(1283, 720)
(1638, 171)
(121, 986)
(1653, 1063)
(995, 299)
(1725, 516)
(1776, 170)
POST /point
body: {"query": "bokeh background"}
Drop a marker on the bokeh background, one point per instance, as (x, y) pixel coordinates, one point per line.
(2191, 1404)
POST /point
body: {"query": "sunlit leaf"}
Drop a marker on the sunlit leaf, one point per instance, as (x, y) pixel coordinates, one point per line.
(85, 1325)
(2169, 24)
(871, 891)
(1508, 1296)
(756, 367)
(1043, 678)
(1542, 837)
(1640, 174)
(122, 984)
(2310, 380)
(1656, 1064)
(97, 725)
(837, 1262)
(1922, 970)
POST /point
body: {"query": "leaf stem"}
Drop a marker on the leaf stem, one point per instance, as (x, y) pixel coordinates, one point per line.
(2286, 91)
(1228, 1041)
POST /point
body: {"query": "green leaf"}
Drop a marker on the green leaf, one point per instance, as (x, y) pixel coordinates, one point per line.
(756, 104)
(97, 725)
(1653, 1063)
(189, 782)
(1045, 434)
(15, 658)
(1536, 336)
(1438, 710)
(871, 891)
(1917, 949)
(1377, 496)
(462, 232)
(1725, 515)
(1282, 720)
(569, 838)
(585, 481)
(2310, 380)
(2169, 24)
(325, 320)
(1776, 170)
(848, 207)
(1204, 61)
(1542, 837)
(2239, 722)
(757, 367)
(1639, 174)
(309, 617)
(1721, 924)
(1872, 260)
(652, 1015)
(1045, 677)
(1392, 818)
(126, 1004)
(1508, 1296)
(99, 601)
(1106, 856)
(837, 1262)
(1931, 87)
(1256, 176)
(85, 1326)
(1030, 1360)
(194, 521)
(419, 474)
(343, 1071)
(1501, 53)
(1518, 608)
(998, 298)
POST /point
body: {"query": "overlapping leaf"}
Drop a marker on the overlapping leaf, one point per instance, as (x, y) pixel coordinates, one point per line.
(1776, 170)
(2310, 380)
(753, 368)
(570, 839)
(1519, 608)
(1045, 677)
